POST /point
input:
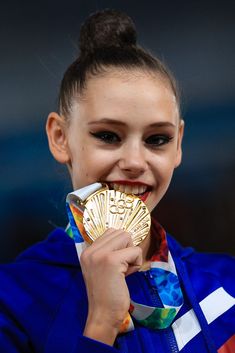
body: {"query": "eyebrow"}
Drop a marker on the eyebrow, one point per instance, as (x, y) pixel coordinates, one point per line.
(118, 122)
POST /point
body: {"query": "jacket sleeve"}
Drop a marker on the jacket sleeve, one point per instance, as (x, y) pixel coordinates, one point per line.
(12, 339)
(85, 345)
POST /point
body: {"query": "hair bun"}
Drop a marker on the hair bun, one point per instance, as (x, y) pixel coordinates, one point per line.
(107, 28)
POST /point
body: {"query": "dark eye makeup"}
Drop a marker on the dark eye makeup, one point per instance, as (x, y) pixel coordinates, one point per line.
(106, 136)
(152, 141)
(158, 140)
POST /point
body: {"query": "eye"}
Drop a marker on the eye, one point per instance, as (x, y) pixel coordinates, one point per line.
(158, 140)
(106, 136)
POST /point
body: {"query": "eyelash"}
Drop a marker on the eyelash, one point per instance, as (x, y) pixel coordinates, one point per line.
(106, 136)
(112, 138)
(161, 140)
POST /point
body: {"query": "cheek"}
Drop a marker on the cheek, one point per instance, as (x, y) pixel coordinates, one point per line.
(97, 160)
(90, 165)
(164, 165)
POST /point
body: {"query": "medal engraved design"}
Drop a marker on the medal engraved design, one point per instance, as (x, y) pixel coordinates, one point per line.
(114, 209)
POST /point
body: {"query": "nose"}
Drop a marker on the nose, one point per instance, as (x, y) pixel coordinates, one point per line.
(133, 160)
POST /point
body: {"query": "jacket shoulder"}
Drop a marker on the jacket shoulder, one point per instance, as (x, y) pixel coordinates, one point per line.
(206, 271)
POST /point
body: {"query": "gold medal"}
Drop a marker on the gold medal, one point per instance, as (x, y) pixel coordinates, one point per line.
(114, 209)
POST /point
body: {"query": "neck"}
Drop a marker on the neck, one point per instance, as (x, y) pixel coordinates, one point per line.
(148, 246)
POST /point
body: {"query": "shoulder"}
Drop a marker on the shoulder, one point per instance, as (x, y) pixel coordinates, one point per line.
(48, 265)
(57, 250)
(208, 261)
(40, 291)
(205, 270)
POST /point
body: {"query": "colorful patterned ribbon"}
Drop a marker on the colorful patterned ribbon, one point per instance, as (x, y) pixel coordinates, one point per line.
(162, 275)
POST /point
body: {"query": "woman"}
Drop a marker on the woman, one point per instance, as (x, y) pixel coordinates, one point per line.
(118, 123)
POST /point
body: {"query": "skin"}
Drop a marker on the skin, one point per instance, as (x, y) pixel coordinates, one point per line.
(125, 126)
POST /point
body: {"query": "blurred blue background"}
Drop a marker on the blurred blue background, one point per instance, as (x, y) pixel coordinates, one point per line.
(196, 40)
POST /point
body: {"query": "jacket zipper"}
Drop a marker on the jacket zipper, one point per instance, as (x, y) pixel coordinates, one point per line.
(171, 340)
(169, 334)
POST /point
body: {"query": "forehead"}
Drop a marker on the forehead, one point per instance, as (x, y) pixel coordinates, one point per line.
(126, 94)
(114, 79)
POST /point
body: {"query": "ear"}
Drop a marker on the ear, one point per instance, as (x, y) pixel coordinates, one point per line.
(179, 143)
(57, 137)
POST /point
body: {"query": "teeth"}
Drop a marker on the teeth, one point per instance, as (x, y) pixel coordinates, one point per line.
(121, 188)
(129, 189)
(142, 189)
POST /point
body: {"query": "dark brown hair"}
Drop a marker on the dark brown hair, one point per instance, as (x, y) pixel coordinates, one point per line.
(108, 39)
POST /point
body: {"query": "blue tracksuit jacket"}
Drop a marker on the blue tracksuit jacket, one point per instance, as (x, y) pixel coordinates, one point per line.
(43, 304)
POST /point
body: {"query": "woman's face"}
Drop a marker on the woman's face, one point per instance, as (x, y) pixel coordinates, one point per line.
(125, 131)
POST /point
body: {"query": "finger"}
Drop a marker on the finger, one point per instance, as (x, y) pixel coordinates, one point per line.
(128, 260)
(108, 234)
(120, 240)
(99, 242)
(112, 239)
(115, 240)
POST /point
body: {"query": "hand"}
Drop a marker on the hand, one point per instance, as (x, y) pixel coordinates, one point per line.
(104, 265)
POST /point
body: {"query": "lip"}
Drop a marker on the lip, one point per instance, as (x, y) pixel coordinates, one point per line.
(144, 196)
